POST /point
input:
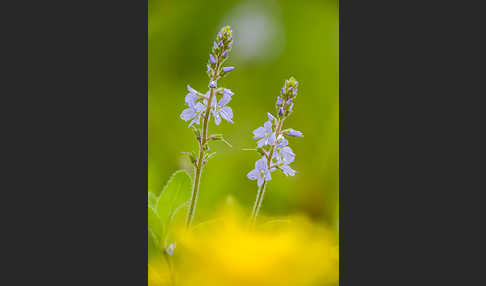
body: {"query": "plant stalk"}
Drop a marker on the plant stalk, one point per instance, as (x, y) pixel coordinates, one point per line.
(261, 190)
(202, 143)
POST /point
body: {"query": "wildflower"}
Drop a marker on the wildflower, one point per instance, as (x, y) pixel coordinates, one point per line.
(202, 106)
(265, 132)
(278, 155)
(261, 172)
(221, 110)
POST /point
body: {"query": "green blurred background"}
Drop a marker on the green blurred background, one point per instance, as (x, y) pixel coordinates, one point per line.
(272, 41)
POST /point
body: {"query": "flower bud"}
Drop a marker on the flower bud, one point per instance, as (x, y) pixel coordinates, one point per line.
(212, 84)
(228, 69)
(212, 59)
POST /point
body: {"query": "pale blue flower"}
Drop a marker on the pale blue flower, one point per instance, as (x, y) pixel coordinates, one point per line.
(261, 173)
(221, 110)
(192, 96)
(284, 155)
(212, 84)
(265, 132)
(193, 113)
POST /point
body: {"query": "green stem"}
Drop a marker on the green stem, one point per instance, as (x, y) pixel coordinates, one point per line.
(202, 143)
(261, 190)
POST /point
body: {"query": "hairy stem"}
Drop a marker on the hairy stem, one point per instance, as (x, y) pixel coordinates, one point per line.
(261, 190)
(202, 143)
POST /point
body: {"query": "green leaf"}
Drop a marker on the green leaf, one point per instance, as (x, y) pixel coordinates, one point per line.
(155, 228)
(177, 192)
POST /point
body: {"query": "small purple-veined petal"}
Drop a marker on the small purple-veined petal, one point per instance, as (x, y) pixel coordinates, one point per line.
(217, 118)
(287, 170)
(227, 113)
(282, 142)
(290, 108)
(272, 139)
(215, 45)
(270, 117)
(261, 142)
(259, 132)
(280, 111)
(208, 68)
(295, 133)
(191, 99)
(212, 84)
(279, 101)
(268, 126)
(199, 107)
(224, 100)
(283, 90)
(289, 101)
(220, 43)
(230, 44)
(228, 92)
(261, 164)
(252, 175)
(212, 59)
(225, 53)
(288, 155)
(228, 69)
(188, 114)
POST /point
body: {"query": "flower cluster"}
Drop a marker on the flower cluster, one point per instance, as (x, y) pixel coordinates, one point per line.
(202, 106)
(272, 143)
(198, 102)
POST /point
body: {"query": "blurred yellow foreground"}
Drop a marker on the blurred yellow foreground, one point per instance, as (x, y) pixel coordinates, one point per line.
(290, 251)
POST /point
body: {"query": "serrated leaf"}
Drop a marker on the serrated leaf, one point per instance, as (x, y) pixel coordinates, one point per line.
(177, 192)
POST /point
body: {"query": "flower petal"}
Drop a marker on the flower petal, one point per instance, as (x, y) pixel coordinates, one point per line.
(272, 139)
(252, 175)
(268, 126)
(227, 113)
(287, 170)
(261, 164)
(188, 114)
(259, 132)
(223, 101)
(217, 118)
